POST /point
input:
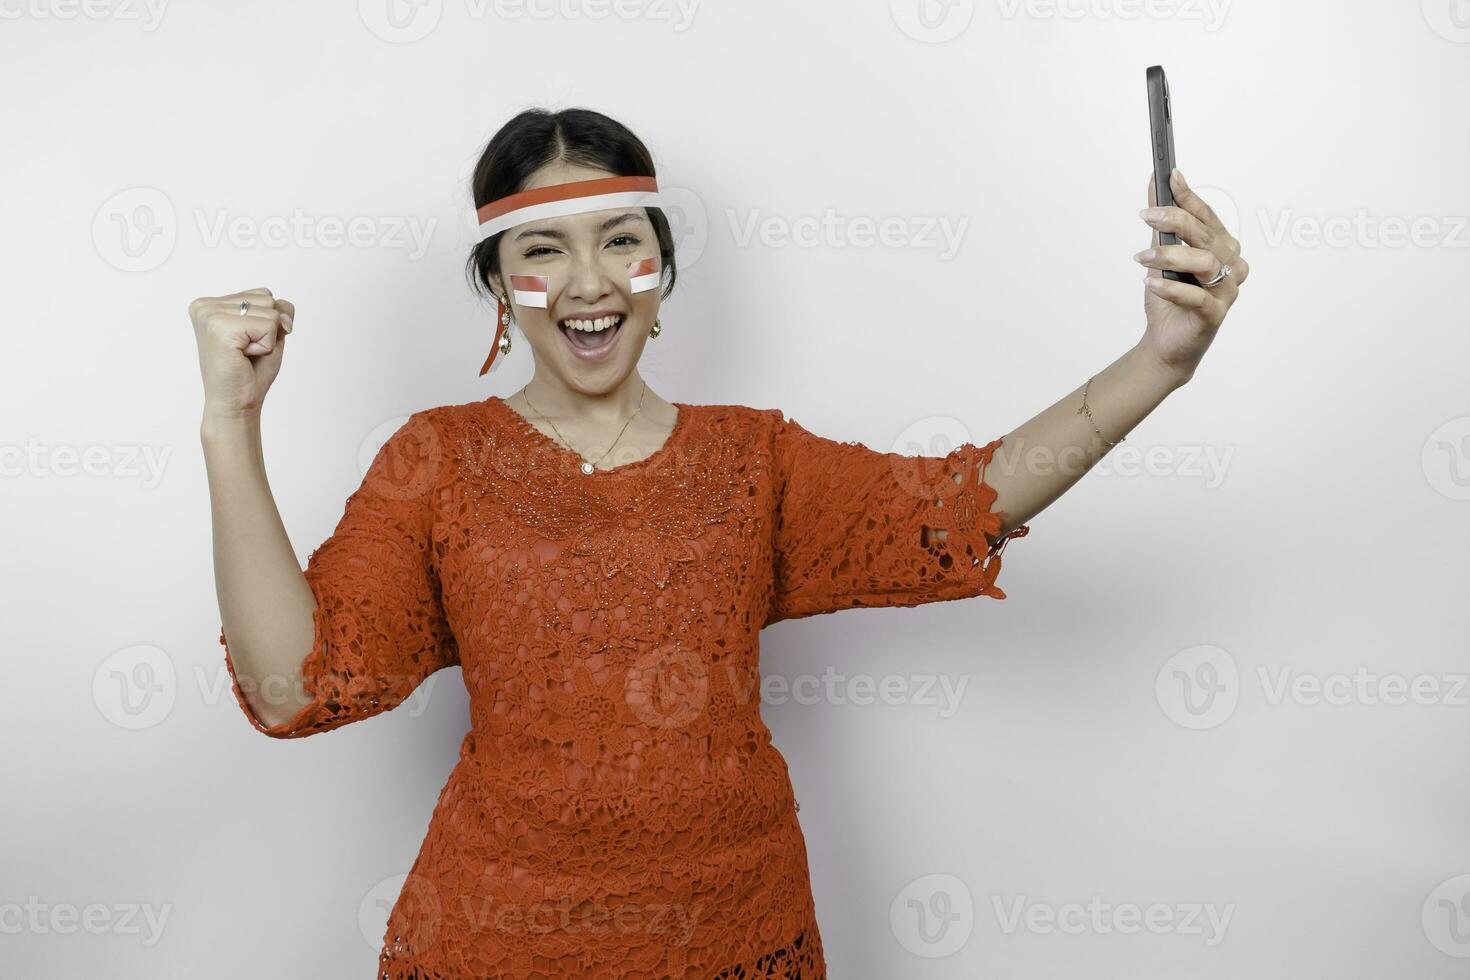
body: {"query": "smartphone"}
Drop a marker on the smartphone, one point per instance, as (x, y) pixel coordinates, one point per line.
(1161, 126)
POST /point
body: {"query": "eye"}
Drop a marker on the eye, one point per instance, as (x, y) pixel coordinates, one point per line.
(538, 250)
(630, 239)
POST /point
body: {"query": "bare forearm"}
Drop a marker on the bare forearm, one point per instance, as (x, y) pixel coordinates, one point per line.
(265, 602)
(1040, 460)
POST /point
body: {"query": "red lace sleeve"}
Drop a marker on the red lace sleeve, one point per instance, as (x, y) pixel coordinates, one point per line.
(379, 626)
(856, 527)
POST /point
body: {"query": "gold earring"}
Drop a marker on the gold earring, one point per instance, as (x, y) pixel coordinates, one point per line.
(656, 329)
(505, 334)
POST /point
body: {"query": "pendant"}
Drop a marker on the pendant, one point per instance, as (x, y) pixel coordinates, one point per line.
(587, 467)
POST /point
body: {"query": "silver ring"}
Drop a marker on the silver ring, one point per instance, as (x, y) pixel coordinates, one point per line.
(1225, 272)
(244, 307)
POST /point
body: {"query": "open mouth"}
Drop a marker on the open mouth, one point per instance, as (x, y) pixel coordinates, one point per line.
(592, 335)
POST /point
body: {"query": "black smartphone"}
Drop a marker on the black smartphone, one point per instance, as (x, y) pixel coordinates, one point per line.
(1161, 127)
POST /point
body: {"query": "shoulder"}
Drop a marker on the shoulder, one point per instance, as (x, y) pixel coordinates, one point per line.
(441, 415)
(732, 413)
(747, 424)
(429, 441)
(449, 423)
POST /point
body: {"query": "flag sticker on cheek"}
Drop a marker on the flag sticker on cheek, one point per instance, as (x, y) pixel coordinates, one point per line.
(643, 275)
(530, 290)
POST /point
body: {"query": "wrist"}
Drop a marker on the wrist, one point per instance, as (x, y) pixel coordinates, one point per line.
(223, 427)
(1149, 371)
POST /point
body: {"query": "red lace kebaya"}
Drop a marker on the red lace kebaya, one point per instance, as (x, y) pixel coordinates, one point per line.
(618, 809)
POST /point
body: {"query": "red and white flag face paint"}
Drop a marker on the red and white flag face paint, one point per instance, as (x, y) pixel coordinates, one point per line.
(643, 275)
(530, 290)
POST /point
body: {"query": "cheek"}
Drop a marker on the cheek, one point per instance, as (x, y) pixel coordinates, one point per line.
(533, 292)
(643, 277)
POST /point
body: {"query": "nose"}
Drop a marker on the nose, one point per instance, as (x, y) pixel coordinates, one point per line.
(588, 282)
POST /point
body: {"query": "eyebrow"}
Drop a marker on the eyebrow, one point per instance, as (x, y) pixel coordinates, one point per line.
(561, 236)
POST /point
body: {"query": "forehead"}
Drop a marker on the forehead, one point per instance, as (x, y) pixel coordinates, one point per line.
(562, 172)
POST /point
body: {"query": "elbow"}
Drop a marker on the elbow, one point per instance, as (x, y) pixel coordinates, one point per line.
(274, 720)
(271, 703)
(276, 725)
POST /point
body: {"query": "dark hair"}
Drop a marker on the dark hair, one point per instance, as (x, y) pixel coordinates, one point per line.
(536, 137)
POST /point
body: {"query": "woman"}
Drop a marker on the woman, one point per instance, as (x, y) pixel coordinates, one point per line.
(600, 561)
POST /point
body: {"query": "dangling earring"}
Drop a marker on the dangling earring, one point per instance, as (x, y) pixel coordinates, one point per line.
(502, 335)
(656, 329)
(505, 331)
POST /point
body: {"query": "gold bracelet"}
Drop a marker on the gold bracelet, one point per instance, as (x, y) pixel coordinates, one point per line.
(1084, 408)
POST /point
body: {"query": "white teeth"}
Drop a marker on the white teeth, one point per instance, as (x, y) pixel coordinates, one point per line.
(591, 326)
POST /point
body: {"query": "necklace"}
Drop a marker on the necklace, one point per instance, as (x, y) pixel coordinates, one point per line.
(587, 467)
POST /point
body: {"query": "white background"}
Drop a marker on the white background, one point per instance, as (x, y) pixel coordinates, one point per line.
(1329, 534)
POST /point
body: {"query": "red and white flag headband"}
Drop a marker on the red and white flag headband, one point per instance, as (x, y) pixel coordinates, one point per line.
(557, 201)
(576, 197)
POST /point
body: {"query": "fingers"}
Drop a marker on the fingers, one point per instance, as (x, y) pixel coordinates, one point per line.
(256, 332)
(1179, 221)
(1153, 202)
(1193, 297)
(261, 305)
(1203, 265)
(249, 294)
(1186, 198)
(1181, 258)
(260, 298)
(1207, 247)
(1223, 244)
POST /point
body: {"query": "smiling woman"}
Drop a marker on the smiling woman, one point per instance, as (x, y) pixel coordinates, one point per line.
(600, 562)
(568, 204)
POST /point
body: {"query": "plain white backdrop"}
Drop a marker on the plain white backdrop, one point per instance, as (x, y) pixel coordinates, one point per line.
(1217, 729)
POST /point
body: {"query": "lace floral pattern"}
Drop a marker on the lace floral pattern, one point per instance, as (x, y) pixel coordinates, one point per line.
(618, 809)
